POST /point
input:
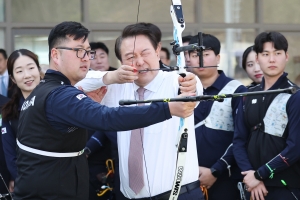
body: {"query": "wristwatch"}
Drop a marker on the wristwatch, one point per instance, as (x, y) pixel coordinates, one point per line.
(257, 176)
(215, 172)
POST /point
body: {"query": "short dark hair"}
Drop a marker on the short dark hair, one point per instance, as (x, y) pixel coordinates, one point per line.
(186, 38)
(3, 52)
(99, 45)
(279, 41)
(16, 54)
(245, 56)
(209, 41)
(167, 52)
(60, 32)
(151, 31)
(155, 30)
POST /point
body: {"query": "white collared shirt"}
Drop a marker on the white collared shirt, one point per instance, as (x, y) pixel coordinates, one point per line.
(92, 81)
(160, 140)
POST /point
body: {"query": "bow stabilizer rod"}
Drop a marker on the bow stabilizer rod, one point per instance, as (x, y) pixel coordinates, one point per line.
(220, 97)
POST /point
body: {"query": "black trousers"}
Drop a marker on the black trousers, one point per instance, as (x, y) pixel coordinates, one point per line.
(5, 174)
(224, 190)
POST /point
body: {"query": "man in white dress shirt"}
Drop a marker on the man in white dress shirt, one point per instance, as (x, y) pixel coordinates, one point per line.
(139, 48)
(4, 78)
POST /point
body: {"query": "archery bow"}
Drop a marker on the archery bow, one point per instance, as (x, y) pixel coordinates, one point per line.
(182, 138)
(178, 27)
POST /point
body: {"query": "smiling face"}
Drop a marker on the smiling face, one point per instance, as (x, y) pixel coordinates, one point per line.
(100, 63)
(140, 53)
(253, 69)
(272, 61)
(26, 74)
(67, 62)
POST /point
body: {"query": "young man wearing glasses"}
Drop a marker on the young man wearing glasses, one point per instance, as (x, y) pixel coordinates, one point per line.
(54, 119)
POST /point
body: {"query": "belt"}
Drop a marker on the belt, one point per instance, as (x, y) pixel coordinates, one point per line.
(47, 153)
(184, 189)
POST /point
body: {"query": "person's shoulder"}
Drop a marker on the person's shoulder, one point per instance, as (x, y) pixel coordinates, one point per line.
(65, 91)
(296, 95)
(237, 84)
(241, 87)
(253, 87)
(167, 77)
(169, 74)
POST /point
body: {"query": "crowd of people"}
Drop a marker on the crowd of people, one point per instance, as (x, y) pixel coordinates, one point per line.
(65, 136)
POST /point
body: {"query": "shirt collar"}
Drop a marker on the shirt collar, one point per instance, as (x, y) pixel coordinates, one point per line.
(154, 84)
(221, 81)
(64, 78)
(282, 78)
(5, 74)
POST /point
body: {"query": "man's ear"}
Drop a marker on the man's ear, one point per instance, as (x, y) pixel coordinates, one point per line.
(158, 49)
(218, 58)
(287, 56)
(55, 55)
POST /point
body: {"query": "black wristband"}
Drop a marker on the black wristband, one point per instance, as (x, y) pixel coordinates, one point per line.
(257, 176)
(215, 172)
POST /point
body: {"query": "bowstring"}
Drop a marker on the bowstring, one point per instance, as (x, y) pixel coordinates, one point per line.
(137, 20)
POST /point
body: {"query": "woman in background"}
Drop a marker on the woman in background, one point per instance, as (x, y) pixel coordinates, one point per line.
(251, 66)
(24, 70)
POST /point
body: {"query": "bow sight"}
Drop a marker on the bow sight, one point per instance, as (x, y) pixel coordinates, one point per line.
(192, 47)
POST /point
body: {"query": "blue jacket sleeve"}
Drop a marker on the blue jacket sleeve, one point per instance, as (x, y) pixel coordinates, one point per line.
(240, 139)
(291, 153)
(228, 157)
(94, 143)
(9, 148)
(67, 106)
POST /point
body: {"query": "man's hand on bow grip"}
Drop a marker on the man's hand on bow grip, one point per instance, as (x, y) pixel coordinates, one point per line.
(188, 83)
(182, 109)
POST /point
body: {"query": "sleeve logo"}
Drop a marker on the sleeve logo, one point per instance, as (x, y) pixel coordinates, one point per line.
(80, 96)
(3, 130)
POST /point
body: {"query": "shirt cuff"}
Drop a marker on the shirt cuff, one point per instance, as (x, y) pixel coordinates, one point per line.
(92, 81)
(95, 74)
(93, 144)
(264, 172)
(220, 166)
(167, 110)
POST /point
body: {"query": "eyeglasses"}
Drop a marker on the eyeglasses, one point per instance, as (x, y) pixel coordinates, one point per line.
(80, 52)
